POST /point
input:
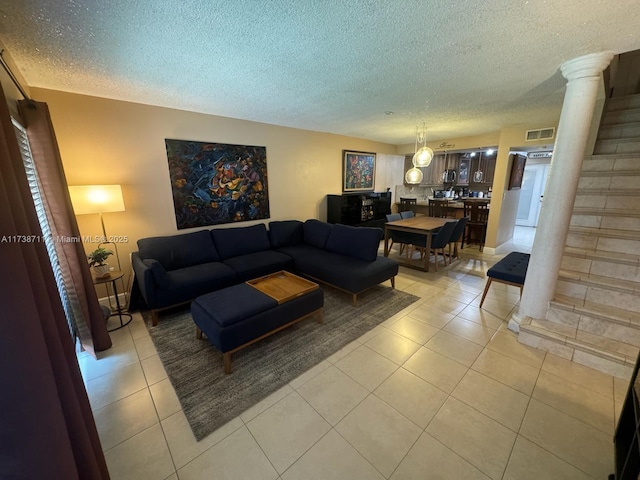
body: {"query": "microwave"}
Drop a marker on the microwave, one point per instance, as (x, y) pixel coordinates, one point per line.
(449, 176)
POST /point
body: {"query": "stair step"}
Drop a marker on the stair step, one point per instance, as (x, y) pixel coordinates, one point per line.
(609, 283)
(622, 103)
(607, 199)
(604, 240)
(617, 145)
(609, 292)
(629, 115)
(619, 130)
(610, 173)
(611, 257)
(603, 266)
(604, 233)
(629, 192)
(543, 335)
(611, 162)
(616, 315)
(608, 212)
(614, 219)
(610, 182)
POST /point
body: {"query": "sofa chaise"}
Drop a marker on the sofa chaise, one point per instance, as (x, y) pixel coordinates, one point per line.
(176, 269)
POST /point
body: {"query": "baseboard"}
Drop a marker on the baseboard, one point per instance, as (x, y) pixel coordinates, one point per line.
(111, 300)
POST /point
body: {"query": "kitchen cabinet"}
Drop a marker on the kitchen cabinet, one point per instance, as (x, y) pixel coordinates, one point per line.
(487, 165)
(465, 167)
(432, 175)
(359, 209)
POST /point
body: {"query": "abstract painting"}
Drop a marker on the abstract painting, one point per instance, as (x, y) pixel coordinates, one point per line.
(215, 183)
(358, 171)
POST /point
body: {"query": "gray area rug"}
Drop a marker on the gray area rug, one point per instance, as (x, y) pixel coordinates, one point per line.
(210, 398)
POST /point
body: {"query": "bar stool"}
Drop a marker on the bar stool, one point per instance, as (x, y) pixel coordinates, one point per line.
(407, 203)
(438, 207)
(478, 214)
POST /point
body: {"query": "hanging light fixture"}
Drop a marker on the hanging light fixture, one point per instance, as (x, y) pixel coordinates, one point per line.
(423, 155)
(478, 175)
(413, 175)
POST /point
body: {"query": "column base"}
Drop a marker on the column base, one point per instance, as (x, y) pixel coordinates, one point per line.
(515, 321)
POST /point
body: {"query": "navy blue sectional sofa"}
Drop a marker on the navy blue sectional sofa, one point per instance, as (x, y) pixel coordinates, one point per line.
(176, 269)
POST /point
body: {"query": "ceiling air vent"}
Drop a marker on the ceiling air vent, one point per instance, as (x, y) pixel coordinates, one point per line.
(541, 134)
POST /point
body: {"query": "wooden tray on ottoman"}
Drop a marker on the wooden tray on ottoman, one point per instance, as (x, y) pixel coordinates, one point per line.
(283, 286)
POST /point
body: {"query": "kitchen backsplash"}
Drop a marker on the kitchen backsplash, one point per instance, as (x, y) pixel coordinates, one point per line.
(422, 192)
(416, 191)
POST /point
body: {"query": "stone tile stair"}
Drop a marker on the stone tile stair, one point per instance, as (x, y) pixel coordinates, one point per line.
(594, 318)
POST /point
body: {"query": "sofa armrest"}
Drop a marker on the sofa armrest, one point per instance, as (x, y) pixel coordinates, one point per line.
(144, 279)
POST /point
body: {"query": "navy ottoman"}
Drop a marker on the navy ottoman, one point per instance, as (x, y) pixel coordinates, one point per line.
(511, 270)
(237, 316)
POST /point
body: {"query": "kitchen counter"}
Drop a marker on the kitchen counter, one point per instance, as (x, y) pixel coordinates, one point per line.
(455, 202)
(457, 205)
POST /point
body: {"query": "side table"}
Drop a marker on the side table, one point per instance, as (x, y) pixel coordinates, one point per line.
(112, 278)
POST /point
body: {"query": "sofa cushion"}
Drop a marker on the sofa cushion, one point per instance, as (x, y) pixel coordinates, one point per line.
(356, 242)
(234, 304)
(347, 273)
(158, 272)
(316, 233)
(512, 268)
(213, 275)
(285, 233)
(179, 251)
(258, 264)
(233, 242)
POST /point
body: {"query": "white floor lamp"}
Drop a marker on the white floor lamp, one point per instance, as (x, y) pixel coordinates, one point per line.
(92, 199)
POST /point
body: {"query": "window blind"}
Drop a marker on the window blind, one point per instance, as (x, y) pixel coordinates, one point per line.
(69, 303)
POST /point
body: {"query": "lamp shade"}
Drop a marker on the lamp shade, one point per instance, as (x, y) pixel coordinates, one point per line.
(96, 199)
(423, 157)
(413, 175)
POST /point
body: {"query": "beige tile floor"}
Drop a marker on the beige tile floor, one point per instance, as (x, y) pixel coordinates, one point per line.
(441, 390)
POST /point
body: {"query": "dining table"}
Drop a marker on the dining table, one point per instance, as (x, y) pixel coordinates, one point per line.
(421, 225)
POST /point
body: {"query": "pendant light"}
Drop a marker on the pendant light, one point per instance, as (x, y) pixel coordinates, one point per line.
(423, 155)
(478, 175)
(446, 168)
(414, 175)
(421, 158)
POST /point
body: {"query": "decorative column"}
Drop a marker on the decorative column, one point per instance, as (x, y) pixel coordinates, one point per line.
(583, 75)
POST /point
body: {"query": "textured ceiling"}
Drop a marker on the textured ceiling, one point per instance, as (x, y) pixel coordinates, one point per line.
(464, 67)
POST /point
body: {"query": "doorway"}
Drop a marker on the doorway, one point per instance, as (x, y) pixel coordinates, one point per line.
(533, 182)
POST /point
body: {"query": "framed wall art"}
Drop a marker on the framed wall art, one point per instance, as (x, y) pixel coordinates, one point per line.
(358, 171)
(214, 183)
(517, 171)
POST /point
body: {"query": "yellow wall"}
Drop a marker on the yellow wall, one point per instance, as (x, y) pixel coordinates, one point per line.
(113, 142)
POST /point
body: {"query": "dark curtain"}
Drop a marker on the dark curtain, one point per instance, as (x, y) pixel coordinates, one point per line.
(47, 429)
(88, 316)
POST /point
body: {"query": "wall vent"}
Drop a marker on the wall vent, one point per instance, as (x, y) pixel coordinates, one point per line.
(540, 134)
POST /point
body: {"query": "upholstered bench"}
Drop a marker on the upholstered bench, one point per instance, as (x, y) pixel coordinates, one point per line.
(511, 270)
(238, 316)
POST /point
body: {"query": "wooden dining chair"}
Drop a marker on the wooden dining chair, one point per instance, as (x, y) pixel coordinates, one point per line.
(478, 214)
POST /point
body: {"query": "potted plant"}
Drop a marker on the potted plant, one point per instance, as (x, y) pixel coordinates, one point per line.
(96, 261)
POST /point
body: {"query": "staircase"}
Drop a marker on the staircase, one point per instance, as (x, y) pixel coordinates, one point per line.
(594, 318)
